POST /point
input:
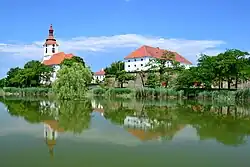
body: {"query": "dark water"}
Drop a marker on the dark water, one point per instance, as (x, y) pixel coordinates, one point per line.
(123, 133)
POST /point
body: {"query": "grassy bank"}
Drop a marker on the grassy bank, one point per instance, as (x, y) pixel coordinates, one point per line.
(12, 91)
(163, 93)
(137, 93)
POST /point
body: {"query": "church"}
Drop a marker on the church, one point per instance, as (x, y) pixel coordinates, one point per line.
(52, 56)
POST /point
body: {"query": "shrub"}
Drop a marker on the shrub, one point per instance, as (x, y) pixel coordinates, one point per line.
(98, 91)
(26, 91)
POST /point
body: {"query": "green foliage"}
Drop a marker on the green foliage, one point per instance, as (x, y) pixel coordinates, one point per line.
(30, 76)
(153, 80)
(75, 116)
(167, 66)
(2, 82)
(31, 91)
(119, 91)
(98, 91)
(70, 62)
(114, 69)
(123, 76)
(242, 94)
(157, 93)
(231, 66)
(72, 82)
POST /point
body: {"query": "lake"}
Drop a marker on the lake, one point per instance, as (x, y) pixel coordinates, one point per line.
(119, 133)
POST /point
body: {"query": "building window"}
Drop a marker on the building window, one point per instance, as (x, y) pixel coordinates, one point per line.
(135, 59)
(135, 65)
(53, 50)
(46, 45)
(141, 64)
(128, 60)
(46, 50)
(53, 45)
(141, 59)
(128, 65)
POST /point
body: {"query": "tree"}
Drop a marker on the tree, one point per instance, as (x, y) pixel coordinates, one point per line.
(153, 80)
(72, 81)
(30, 76)
(2, 82)
(166, 65)
(75, 59)
(114, 69)
(123, 76)
(233, 62)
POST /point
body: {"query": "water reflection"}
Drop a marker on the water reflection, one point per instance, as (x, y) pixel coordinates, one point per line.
(146, 121)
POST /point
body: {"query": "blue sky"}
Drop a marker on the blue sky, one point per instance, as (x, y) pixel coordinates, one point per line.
(103, 31)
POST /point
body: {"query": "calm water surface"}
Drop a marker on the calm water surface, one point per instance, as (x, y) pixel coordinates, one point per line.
(123, 133)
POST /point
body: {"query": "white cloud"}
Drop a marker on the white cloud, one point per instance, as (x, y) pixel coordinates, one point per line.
(188, 48)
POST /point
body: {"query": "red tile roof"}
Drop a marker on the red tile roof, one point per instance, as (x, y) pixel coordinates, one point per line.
(101, 72)
(148, 51)
(57, 58)
(54, 125)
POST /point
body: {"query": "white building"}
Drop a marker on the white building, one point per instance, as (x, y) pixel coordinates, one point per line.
(99, 76)
(52, 56)
(138, 60)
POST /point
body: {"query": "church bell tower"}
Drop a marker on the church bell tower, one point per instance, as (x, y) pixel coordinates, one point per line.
(50, 46)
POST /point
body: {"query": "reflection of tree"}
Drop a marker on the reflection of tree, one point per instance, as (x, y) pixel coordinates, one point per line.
(75, 115)
(229, 125)
(29, 110)
(72, 115)
(163, 123)
(220, 123)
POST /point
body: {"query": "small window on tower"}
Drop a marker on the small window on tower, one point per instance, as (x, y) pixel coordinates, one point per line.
(53, 45)
(53, 50)
(46, 50)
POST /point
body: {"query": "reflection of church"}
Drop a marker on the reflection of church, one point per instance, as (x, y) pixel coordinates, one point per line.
(97, 107)
(51, 130)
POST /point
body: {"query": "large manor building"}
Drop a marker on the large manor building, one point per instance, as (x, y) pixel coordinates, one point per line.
(138, 59)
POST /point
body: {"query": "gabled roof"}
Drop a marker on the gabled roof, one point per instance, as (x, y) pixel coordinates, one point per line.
(57, 58)
(148, 51)
(101, 72)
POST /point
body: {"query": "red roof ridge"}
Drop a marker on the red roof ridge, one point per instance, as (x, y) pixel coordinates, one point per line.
(156, 52)
(101, 72)
(57, 58)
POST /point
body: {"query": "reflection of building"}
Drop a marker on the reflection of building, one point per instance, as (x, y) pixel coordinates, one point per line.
(51, 130)
(144, 129)
(50, 108)
(136, 122)
(97, 107)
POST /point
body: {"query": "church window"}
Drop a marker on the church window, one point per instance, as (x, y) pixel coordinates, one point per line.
(46, 50)
(53, 50)
(53, 45)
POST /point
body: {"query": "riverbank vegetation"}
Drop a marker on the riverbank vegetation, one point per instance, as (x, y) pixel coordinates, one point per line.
(34, 79)
(165, 78)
